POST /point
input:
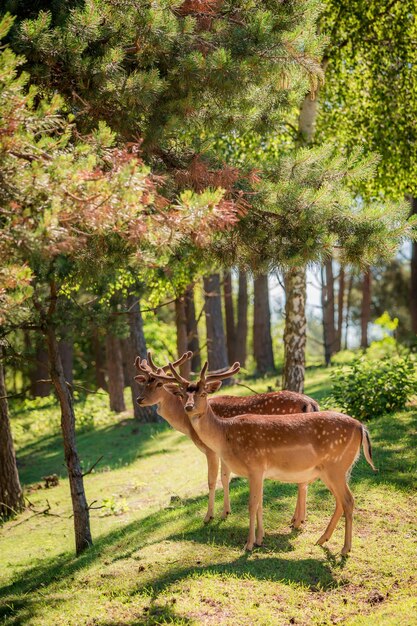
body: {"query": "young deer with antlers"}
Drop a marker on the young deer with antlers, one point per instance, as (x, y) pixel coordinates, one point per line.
(295, 449)
(172, 410)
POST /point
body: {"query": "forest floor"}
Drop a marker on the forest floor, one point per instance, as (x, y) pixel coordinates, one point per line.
(155, 562)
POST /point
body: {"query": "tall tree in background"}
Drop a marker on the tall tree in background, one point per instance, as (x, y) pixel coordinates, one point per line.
(262, 340)
(366, 307)
(328, 310)
(242, 318)
(11, 495)
(216, 343)
(229, 316)
(340, 308)
(115, 373)
(192, 330)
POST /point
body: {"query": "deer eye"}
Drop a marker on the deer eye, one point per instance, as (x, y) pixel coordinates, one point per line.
(159, 384)
(203, 394)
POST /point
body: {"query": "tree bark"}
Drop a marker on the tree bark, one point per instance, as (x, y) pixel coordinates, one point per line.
(99, 359)
(262, 340)
(216, 345)
(340, 309)
(115, 372)
(348, 303)
(40, 371)
(79, 502)
(182, 335)
(66, 352)
(138, 348)
(229, 315)
(11, 495)
(242, 319)
(126, 360)
(192, 330)
(295, 335)
(365, 308)
(327, 301)
(413, 277)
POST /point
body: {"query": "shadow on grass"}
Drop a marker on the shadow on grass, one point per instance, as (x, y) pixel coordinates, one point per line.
(119, 444)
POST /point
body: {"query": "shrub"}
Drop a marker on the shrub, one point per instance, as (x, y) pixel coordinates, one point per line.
(367, 388)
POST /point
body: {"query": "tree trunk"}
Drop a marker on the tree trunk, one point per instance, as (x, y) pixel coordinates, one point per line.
(327, 301)
(216, 345)
(242, 319)
(40, 371)
(66, 352)
(230, 316)
(79, 502)
(365, 308)
(295, 330)
(192, 330)
(116, 382)
(182, 335)
(262, 340)
(340, 309)
(126, 360)
(11, 495)
(413, 277)
(348, 302)
(138, 348)
(99, 359)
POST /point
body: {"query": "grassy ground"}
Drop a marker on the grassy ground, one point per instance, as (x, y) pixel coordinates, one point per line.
(153, 560)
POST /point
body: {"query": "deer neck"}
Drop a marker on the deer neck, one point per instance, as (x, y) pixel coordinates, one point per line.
(209, 428)
(170, 407)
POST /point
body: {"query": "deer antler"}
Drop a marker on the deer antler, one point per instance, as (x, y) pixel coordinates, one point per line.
(185, 357)
(220, 375)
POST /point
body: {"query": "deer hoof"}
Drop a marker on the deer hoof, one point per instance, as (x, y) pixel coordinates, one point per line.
(225, 514)
(249, 546)
(322, 540)
(208, 518)
(345, 551)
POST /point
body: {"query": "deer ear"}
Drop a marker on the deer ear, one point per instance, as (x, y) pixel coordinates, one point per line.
(141, 379)
(172, 388)
(212, 387)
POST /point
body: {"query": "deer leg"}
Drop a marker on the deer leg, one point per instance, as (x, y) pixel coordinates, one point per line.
(300, 513)
(348, 504)
(338, 486)
(225, 476)
(212, 473)
(260, 522)
(255, 498)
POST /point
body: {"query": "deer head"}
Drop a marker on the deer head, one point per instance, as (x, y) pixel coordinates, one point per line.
(151, 385)
(194, 394)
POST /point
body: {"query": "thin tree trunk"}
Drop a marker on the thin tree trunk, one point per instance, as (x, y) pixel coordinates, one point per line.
(327, 300)
(182, 335)
(99, 359)
(192, 330)
(138, 348)
(365, 308)
(295, 335)
(229, 315)
(66, 352)
(40, 371)
(262, 340)
(348, 303)
(242, 319)
(116, 381)
(340, 309)
(11, 495)
(79, 502)
(126, 360)
(216, 344)
(413, 277)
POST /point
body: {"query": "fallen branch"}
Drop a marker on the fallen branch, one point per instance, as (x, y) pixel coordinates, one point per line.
(92, 467)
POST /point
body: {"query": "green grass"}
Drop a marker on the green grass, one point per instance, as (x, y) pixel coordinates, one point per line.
(154, 561)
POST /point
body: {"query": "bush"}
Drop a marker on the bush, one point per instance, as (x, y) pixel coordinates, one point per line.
(368, 388)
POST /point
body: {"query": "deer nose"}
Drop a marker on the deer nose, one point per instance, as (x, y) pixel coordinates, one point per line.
(188, 407)
(139, 399)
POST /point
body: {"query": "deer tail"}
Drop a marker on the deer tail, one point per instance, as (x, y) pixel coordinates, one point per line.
(367, 447)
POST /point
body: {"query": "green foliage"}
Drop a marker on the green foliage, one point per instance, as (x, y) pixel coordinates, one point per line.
(370, 91)
(368, 388)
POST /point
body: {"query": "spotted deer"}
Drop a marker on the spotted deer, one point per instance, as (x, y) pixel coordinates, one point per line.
(295, 449)
(171, 409)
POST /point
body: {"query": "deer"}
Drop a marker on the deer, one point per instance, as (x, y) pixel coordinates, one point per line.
(172, 410)
(295, 449)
